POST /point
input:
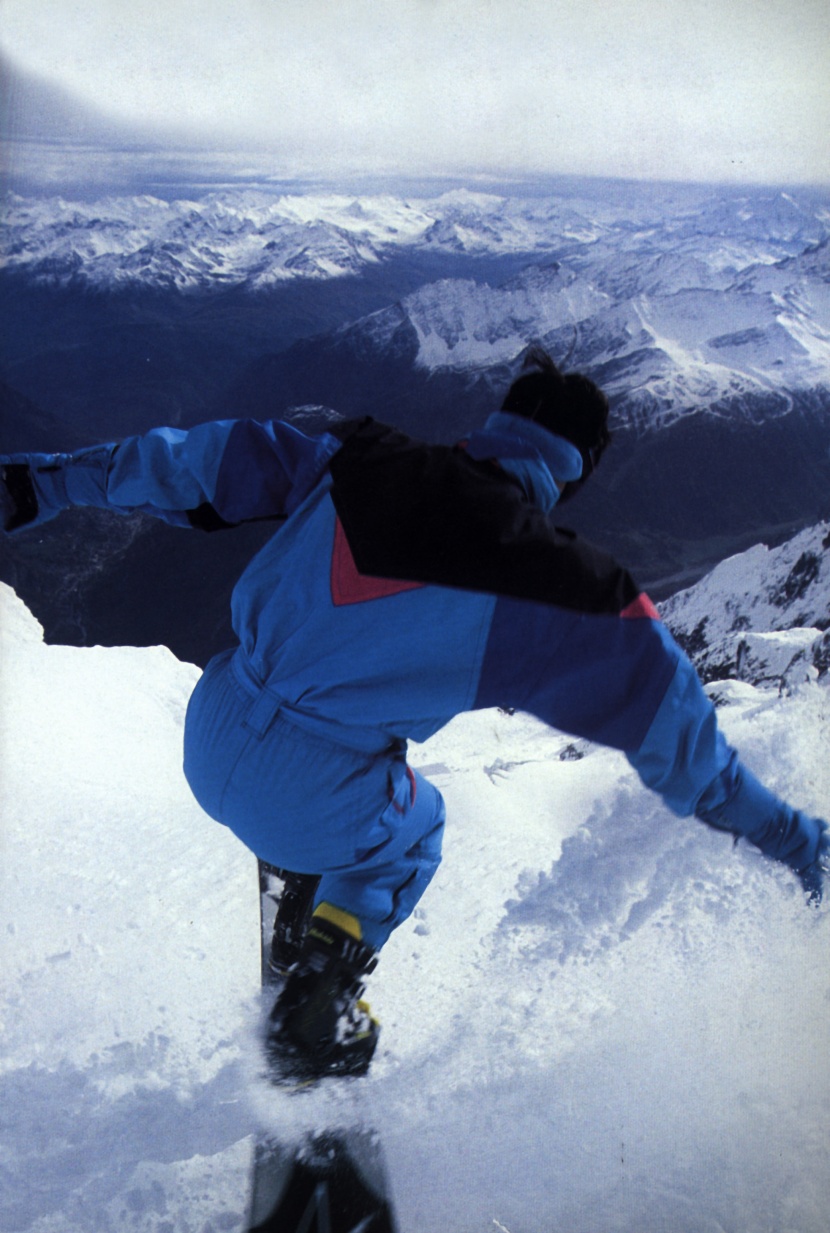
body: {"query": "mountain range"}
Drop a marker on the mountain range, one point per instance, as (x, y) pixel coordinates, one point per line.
(762, 616)
(704, 314)
(257, 238)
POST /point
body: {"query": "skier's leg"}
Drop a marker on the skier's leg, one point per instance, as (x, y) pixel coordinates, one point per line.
(319, 1025)
(382, 889)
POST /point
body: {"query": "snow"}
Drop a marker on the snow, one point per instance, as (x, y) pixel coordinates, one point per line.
(463, 324)
(601, 1019)
(759, 613)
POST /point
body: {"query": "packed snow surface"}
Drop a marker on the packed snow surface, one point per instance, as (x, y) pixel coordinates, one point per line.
(601, 1019)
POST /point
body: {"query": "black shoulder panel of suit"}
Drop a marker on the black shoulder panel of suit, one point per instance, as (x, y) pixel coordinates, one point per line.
(430, 513)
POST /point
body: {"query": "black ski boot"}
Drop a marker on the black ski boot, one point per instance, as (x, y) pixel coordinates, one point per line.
(291, 922)
(319, 1027)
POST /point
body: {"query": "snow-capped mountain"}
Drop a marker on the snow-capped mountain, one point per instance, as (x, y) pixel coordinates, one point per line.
(467, 325)
(760, 616)
(656, 356)
(660, 356)
(246, 237)
(677, 334)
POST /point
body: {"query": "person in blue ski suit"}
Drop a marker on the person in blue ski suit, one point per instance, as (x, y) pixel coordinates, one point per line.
(405, 583)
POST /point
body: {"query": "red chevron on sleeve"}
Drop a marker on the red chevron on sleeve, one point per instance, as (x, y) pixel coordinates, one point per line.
(641, 607)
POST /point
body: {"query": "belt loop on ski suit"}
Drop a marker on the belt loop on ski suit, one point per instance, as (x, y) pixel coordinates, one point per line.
(263, 712)
(266, 703)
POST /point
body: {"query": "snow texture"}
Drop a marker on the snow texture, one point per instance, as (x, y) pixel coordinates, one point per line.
(601, 1019)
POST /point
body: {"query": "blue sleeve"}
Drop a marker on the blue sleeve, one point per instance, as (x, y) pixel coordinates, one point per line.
(596, 675)
(686, 759)
(683, 752)
(238, 469)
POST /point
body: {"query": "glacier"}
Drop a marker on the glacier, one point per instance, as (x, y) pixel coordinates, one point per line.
(600, 1019)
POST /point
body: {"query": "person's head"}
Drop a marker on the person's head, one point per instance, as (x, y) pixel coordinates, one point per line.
(568, 404)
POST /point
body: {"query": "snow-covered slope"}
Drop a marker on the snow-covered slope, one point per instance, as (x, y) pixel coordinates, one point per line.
(761, 615)
(601, 1019)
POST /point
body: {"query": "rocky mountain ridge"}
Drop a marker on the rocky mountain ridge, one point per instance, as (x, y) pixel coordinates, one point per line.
(761, 616)
(241, 236)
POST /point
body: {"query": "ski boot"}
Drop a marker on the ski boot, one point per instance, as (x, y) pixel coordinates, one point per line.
(291, 923)
(319, 1027)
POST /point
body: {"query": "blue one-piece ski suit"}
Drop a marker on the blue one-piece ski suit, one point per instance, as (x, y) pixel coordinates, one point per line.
(404, 584)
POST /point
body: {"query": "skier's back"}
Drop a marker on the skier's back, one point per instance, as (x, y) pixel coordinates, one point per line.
(407, 582)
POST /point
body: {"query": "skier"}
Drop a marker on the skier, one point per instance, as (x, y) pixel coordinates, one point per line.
(406, 583)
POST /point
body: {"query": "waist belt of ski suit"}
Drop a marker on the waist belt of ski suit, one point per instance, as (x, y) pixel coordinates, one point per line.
(266, 703)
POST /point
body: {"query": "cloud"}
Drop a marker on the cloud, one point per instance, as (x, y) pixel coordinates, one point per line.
(687, 89)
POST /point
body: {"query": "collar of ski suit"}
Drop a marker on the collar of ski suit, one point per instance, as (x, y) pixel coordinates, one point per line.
(530, 453)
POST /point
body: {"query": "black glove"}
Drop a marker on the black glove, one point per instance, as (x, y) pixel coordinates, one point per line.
(18, 501)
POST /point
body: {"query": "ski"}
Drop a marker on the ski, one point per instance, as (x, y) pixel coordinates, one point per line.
(332, 1181)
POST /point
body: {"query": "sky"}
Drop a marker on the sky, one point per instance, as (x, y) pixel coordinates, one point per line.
(665, 89)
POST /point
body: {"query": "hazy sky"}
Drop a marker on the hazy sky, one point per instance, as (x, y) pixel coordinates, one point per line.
(681, 89)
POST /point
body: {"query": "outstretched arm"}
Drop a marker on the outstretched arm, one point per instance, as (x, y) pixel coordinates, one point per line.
(623, 681)
(217, 474)
(685, 758)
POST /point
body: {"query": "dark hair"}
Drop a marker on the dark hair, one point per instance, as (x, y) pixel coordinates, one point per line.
(568, 404)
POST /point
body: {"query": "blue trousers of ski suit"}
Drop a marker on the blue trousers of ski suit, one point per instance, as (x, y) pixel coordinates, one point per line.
(361, 818)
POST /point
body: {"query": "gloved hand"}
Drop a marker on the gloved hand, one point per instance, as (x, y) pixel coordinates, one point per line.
(812, 875)
(18, 501)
